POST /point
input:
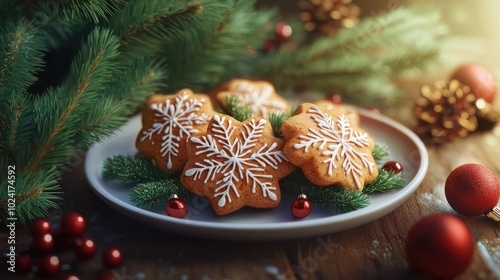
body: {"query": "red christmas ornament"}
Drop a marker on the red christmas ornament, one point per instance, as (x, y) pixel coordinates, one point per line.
(71, 277)
(282, 34)
(440, 245)
(48, 266)
(301, 207)
(73, 224)
(84, 247)
(394, 166)
(112, 257)
(43, 243)
(479, 79)
(39, 227)
(334, 97)
(176, 207)
(24, 262)
(473, 189)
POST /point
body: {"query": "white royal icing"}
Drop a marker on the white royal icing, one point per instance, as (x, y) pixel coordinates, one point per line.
(258, 99)
(181, 114)
(338, 141)
(236, 158)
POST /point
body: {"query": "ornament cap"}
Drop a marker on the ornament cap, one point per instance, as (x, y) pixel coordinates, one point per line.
(494, 214)
(173, 196)
(302, 196)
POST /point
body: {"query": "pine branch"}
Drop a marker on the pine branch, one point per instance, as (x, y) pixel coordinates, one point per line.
(131, 169)
(95, 11)
(35, 195)
(339, 198)
(150, 26)
(22, 47)
(152, 194)
(380, 152)
(16, 128)
(235, 108)
(59, 111)
(276, 119)
(241, 31)
(386, 180)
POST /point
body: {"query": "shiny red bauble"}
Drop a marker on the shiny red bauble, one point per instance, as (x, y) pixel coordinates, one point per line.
(301, 207)
(40, 227)
(112, 257)
(48, 266)
(479, 79)
(71, 277)
(84, 247)
(393, 166)
(472, 189)
(440, 245)
(176, 207)
(43, 243)
(73, 224)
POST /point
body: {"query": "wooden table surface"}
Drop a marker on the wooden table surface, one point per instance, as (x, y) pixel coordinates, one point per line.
(372, 251)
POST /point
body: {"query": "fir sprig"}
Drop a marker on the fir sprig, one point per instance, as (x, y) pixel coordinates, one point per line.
(236, 108)
(341, 199)
(131, 169)
(276, 119)
(150, 194)
(386, 180)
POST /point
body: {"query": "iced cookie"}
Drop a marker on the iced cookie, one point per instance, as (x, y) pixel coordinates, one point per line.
(236, 164)
(167, 122)
(260, 96)
(329, 148)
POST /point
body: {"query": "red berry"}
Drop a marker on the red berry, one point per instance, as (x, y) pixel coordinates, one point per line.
(48, 265)
(112, 257)
(472, 189)
(73, 224)
(71, 277)
(176, 207)
(394, 166)
(334, 97)
(301, 207)
(84, 247)
(24, 262)
(283, 32)
(43, 243)
(39, 227)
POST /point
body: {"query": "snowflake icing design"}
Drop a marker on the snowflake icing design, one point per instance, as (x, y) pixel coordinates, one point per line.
(236, 159)
(258, 99)
(338, 142)
(181, 114)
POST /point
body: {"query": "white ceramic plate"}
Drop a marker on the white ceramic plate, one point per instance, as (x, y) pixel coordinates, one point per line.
(255, 224)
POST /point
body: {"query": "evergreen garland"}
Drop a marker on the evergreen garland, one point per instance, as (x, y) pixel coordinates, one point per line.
(119, 52)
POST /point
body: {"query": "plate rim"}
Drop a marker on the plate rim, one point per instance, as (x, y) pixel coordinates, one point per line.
(185, 224)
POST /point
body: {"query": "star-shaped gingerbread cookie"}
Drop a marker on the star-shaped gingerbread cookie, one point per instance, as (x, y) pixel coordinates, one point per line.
(167, 123)
(260, 96)
(236, 164)
(329, 147)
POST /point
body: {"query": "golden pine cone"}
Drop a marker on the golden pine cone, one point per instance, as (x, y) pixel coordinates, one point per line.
(324, 17)
(445, 111)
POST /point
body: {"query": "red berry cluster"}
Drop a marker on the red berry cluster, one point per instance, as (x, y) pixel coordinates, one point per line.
(47, 243)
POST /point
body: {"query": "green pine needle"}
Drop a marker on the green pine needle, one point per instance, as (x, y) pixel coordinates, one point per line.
(339, 198)
(235, 108)
(380, 151)
(277, 119)
(131, 169)
(151, 194)
(386, 180)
